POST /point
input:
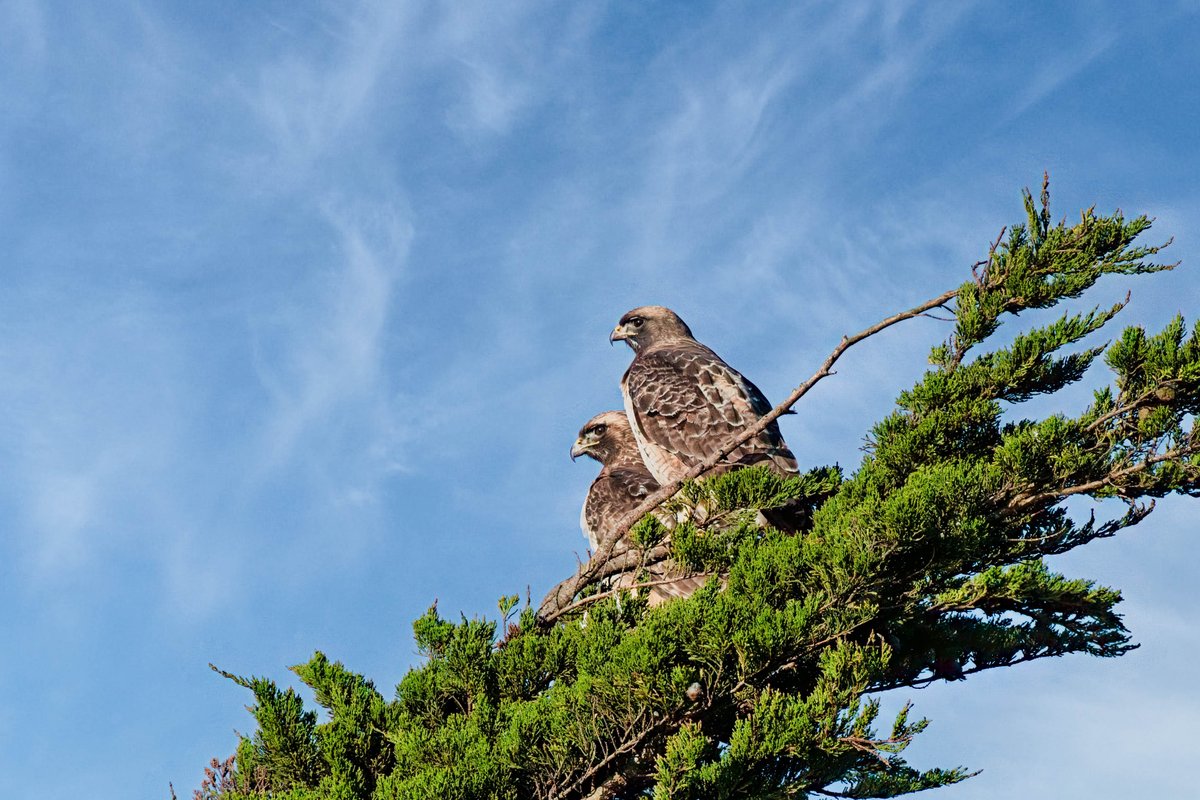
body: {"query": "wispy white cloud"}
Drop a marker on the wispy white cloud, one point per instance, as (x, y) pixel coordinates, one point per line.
(721, 135)
(63, 507)
(1056, 69)
(92, 421)
(385, 68)
(312, 102)
(326, 354)
(503, 66)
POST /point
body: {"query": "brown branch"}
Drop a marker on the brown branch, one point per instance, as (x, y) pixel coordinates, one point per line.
(1021, 503)
(625, 748)
(983, 279)
(1148, 397)
(872, 746)
(598, 596)
(918, 682)
(1135, 513)
(557, 601)
(621, 558)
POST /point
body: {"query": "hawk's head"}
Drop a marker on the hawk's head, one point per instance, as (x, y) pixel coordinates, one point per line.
(607, 438)
(650, 325)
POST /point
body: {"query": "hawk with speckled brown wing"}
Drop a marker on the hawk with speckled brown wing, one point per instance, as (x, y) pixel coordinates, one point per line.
(684, 402)
(623, 482)
(622, 485)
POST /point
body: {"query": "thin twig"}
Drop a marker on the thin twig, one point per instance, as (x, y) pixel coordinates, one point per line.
(598, 596)
(1020, 503)
(870, 746)
(1146, 398)
(623, 749)
(922, 683)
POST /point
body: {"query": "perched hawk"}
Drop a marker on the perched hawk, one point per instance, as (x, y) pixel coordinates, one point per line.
(623, 482)
(622, 485)
(684, 402)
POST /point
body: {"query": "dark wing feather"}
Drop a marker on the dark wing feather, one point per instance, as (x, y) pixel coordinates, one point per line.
(615, 492)
(688, 402)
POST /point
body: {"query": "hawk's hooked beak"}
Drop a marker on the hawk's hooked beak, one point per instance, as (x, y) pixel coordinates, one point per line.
(578, 449)
(621, 334)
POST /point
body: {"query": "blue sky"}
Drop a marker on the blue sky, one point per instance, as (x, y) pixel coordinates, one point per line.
(303, 303)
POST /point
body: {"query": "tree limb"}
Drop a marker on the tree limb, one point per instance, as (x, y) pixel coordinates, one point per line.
(1025, 502)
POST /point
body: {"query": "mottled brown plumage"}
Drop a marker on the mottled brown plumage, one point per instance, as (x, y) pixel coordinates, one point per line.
(684, 402)
(623, 482)
(622, 485)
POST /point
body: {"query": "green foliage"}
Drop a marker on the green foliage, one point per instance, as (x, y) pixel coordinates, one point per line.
(926, 563)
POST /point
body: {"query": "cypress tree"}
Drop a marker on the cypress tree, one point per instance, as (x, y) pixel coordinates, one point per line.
(926, 563)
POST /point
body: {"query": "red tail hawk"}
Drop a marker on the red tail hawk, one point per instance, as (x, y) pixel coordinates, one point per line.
(684, 402)
(623, 482)
(622, 485)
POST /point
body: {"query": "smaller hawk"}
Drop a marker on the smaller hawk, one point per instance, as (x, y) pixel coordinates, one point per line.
(623, 482)
(622, 485)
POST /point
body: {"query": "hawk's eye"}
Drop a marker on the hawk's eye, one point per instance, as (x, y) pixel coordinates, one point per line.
(599, 430)
(637, 322)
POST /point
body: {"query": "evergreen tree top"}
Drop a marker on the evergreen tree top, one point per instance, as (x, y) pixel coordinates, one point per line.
(925, 563)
